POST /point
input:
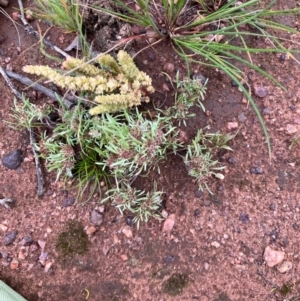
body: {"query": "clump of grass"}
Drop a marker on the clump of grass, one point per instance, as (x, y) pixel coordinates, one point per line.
(65, 14)
(142, 204)
(199, 158)
(189, 93)
(216, 34)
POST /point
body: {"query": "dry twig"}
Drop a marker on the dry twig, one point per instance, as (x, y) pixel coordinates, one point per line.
(33, 32)
(31, 134)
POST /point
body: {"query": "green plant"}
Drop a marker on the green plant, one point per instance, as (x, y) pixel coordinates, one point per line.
(59, 156)
(214, 33)
(143, 205)
(115, 86)
(26, 114)
(133, 144)
(189, 92)
(65, 14)
(199, 157)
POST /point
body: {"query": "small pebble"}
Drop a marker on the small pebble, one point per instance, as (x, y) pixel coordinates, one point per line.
(129, 221)
(124, 257)
(169, 67)
(242, 117)
(207, 203)
(13, 159)
(206, 266)
(256, 170)
(9, 238)
(244, 217)
(266, 111)
(197, 212)
(91, 230)
(274, 234)
(231, 160)
(14, 264)
(220, 188)
(295, 226)
(127, 232)
(169, 223)
(67, 202)
(96, 218)
(282, 57)
(291, 129)
(272, 207)
(198, 193)
(232, 125)
(169, 258)
(273, 257)
(215, 244)
(26, 241)
(3, 228)
(199, 77)
(261, 91)
(234, 83)
(285, 267)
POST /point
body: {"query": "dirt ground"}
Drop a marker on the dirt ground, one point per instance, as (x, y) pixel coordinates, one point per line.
(215, 250)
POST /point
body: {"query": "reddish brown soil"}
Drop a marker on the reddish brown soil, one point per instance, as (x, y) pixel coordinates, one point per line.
(246, 213)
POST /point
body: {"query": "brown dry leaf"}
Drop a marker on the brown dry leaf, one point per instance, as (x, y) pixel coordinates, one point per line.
(169, 223)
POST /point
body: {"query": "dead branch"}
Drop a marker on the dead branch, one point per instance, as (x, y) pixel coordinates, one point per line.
(31, 134)
(34, 33)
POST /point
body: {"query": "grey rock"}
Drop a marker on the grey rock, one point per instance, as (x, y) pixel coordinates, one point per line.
(198, 193)
(244, 217)
(27, 241)
(129, 221)
(9, 238)
(199, 77)
(242, 117)
(67, 202)
(13, 159)
(197, 212)
(207, 203)
(272, 207)
(266, 111)
(256, 170)
(96, 218)
(234, 83)
(231, 160)
(261, 91)
(169, 258)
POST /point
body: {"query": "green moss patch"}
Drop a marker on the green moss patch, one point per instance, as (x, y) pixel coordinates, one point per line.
(175, 284)
(72, 241)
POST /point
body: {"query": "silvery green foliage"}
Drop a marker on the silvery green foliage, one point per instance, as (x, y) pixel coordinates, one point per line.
(199, 158)
(131, 144)
(143, 205)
